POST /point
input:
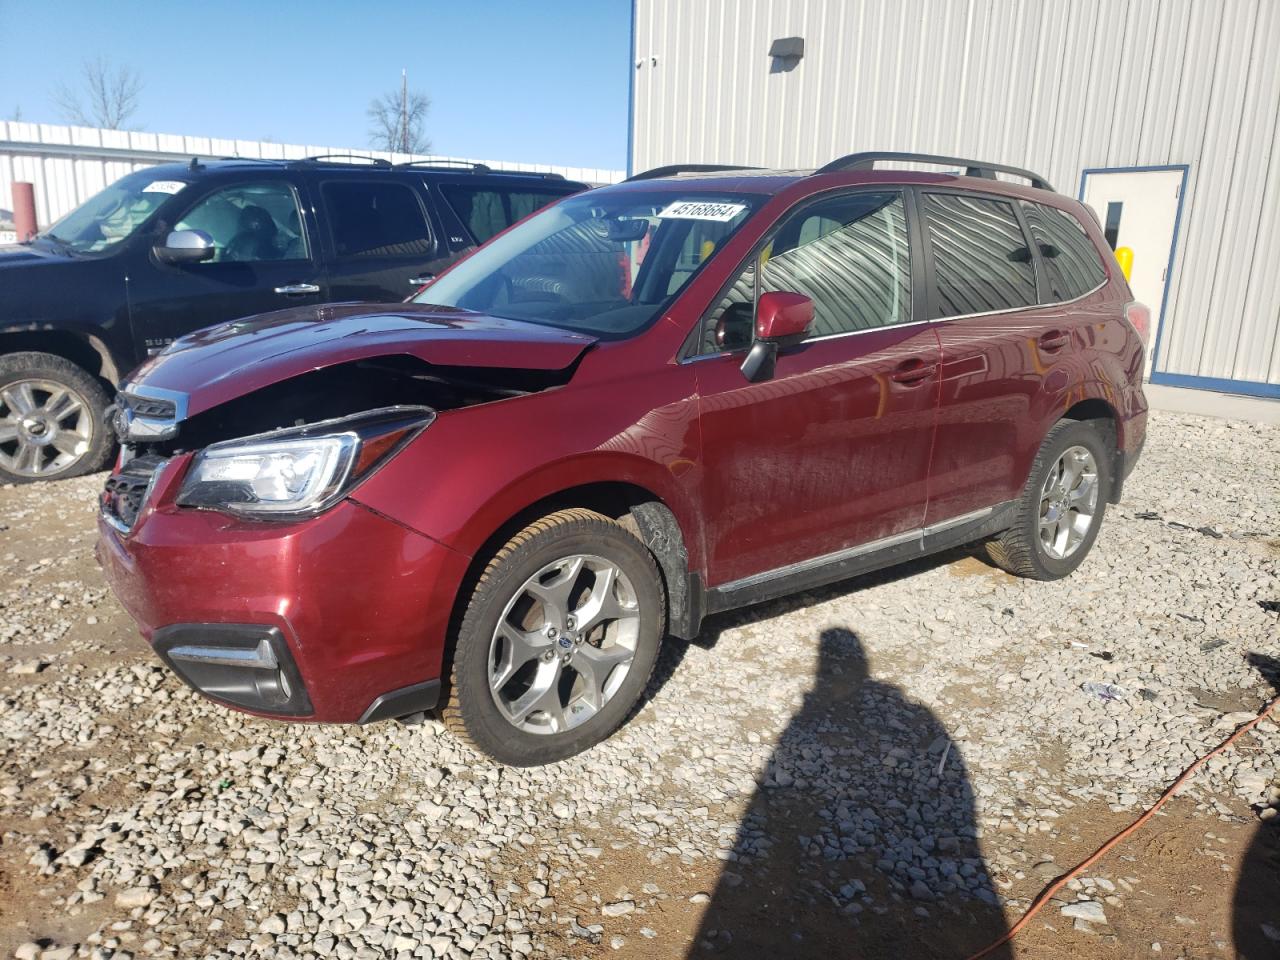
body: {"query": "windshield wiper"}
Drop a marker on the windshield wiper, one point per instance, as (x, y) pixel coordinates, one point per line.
(56, 241)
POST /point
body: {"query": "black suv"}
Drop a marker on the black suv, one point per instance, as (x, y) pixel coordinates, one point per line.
(173, 248)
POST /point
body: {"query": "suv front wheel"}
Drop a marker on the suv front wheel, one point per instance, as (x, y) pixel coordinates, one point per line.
(51, 419)
(559, 638)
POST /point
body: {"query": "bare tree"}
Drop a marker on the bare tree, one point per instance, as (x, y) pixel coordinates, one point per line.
(397, 119)
(107, 95)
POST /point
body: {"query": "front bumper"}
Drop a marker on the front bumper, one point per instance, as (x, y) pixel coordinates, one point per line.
(339, 618)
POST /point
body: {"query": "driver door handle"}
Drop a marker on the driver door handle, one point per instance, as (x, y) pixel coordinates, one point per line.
(912, 371)
(421, 281)
(297, 289)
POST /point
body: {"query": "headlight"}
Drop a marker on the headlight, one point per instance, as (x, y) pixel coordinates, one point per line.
(300, 470)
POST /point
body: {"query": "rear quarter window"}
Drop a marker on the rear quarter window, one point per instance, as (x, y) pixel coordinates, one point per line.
(1072, 264)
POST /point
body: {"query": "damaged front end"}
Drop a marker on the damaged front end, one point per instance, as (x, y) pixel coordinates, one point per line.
(295, 447)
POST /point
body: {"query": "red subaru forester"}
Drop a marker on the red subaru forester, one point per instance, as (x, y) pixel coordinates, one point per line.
(701, 388)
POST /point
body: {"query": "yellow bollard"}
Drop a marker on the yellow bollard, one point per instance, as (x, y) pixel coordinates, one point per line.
(1124, 257)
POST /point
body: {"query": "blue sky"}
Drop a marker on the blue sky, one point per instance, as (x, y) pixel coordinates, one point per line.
(539, 81)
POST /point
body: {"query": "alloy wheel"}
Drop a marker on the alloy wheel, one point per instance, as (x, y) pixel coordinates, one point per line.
(1068, 502)
(45, 427)
(564, 644)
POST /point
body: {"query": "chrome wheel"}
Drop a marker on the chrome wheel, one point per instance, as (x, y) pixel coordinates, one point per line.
(1068, 502)
(45, 427)
(564, 644)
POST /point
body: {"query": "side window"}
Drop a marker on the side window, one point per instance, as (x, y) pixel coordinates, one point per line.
(850, 255)
(981, 260)
(1072, 265)
(250, 222)
(375, 219)
(488, 211)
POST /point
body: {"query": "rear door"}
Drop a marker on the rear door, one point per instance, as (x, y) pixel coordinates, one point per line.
(266, 259)
(1008, 323)
(380, 244)
(833, 451)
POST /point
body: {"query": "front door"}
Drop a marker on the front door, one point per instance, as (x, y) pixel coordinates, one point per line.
(265, 259)
(1138, 209)
(833, 450)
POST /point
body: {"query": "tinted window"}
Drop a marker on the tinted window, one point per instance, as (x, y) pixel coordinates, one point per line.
(376, 220)
(981, 261)
(849, 255)
(250, 222)
(1071, 263)
(490, 210)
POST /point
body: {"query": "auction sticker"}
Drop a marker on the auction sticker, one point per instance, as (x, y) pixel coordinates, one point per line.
(164, 186)
(701, 210)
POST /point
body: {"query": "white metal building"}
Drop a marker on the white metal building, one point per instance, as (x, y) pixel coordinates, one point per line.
(1161, 114)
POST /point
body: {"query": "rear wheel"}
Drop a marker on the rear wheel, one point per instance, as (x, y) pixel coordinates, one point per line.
(51, 419)
(558, 640)
(1062, 505)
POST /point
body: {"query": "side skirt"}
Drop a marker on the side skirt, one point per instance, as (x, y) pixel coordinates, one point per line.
(863, 558)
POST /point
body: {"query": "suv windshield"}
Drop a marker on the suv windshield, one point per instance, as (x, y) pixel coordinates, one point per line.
(108, 217)
(605, 263)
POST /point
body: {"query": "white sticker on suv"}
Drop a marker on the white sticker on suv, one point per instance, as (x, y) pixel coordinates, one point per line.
(164, 186)
(701, 210)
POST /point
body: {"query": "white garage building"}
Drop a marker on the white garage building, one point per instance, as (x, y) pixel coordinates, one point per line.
(1161, 114)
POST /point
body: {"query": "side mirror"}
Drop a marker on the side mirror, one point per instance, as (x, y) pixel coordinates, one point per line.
(186, 246)
(782, 320)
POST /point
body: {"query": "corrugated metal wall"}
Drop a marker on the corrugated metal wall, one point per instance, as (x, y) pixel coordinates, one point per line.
(1058, 86)
(70, 164)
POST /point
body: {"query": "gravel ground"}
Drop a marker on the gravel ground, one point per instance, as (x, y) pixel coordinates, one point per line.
(912, 754)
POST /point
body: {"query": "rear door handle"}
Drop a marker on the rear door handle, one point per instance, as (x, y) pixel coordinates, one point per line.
(297, 289)
(1053, 340)
(912, 371)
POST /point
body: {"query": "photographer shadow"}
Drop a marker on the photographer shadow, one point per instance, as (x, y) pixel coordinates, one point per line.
(860, 839)
(1256, 910)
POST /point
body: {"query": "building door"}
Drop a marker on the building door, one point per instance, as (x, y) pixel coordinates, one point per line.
(1139, 209)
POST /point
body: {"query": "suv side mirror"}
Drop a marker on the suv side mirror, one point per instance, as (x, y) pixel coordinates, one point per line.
(186, 246)
(782, 320)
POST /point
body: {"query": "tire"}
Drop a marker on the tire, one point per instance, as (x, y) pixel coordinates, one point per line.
(62, 432)
(566, 558)
(1022, 549)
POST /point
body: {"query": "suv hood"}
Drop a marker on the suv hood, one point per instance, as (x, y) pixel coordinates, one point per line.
(26, 255)
(226, 361)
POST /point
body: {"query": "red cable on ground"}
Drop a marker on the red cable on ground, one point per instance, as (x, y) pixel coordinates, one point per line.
(1047, 894)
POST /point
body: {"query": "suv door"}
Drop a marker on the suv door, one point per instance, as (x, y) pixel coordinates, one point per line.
(1002, 341)
(381, 247)
(833, 451)
(264, 260)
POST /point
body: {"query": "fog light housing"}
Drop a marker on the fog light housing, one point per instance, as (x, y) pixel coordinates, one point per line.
(241, 665)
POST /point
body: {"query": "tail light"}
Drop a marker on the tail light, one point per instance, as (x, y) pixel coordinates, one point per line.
(1139, 317)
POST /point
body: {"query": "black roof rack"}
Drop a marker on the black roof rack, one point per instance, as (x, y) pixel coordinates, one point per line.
(467, 166)
(675, 168)
(972, 168)
(348, 158)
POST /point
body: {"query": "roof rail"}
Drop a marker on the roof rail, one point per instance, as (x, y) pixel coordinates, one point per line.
(675, 168)
(973, 168)
(467, 166)
(349, 158)
(444, 164)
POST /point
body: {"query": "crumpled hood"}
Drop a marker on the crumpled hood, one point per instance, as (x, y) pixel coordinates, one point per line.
(226, 361)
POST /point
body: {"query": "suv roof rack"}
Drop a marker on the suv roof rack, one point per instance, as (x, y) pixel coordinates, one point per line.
(467, 166)
(676, 168)
(972, 168)
(350, 158)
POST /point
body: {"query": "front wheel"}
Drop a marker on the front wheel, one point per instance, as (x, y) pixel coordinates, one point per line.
(1061, 508)
(51, 419)
(558, 640)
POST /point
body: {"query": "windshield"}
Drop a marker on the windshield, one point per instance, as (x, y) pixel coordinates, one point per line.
(605, 263)
(108, 217)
